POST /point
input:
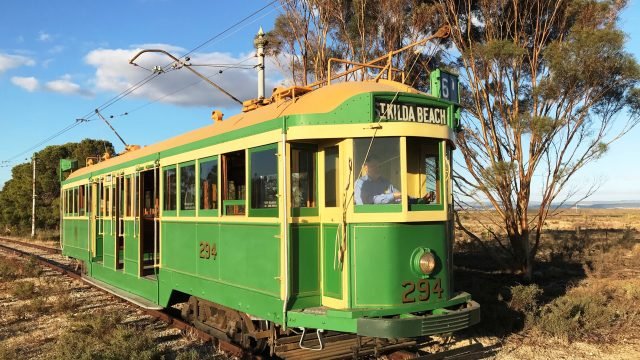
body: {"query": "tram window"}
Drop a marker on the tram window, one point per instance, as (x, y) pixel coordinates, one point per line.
(169, 189)
(233, 182)
(303, 178)
(75, 201)
(136, 195)
(107, 200)
(89, 210)
(188, 187)
(264, 178)
(377, 175)
(128, 191)
(81, 200)
(100, 199)
(121, 194)
(208, 184)
(66, 202)
(423, 171)
(331, 176)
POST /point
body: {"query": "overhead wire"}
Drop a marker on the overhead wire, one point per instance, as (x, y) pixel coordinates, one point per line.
(87, 117)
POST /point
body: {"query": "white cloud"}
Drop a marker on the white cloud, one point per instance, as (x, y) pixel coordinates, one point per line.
(64, 85)
(56, 49)
(8, 61)
(115, 74)
(30, 83)
(44, 37)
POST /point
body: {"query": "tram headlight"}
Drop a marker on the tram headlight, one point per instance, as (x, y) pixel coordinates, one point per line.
(427, 263)
(423, 261)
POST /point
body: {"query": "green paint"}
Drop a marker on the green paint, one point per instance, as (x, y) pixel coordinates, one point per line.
(305, 265)
(381, 257)
(331, 275)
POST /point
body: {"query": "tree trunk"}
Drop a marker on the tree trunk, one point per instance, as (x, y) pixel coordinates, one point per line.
(523, 255)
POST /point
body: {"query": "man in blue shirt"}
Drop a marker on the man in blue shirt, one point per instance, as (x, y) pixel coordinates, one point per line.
(373, 188)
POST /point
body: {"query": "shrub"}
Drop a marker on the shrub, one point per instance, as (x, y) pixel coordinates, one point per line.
(37, 306)
(64, 303)
(32, 268)
(8, 269)
(597, 313)
(524, 299)
(23, 290)
(7, 352)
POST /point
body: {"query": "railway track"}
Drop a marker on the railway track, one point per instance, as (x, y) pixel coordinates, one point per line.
(335, 345)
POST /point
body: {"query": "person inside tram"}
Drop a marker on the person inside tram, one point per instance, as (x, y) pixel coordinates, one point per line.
(372, 188)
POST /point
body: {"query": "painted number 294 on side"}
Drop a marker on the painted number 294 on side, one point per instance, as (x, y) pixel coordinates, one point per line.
(207, 250)
(424, 290)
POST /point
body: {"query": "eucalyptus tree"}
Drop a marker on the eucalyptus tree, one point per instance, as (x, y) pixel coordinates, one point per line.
(548, 88)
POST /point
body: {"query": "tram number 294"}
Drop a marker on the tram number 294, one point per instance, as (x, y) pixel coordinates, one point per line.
(424, 290)
(207, 250)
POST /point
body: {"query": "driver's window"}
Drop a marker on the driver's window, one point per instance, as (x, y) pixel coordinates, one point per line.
(423, 171)
(377, 171)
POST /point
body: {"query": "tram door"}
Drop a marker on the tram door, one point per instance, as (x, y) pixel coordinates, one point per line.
(149, 193)
(332, 174)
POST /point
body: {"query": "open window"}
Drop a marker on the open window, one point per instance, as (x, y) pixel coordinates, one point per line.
(377, 174)
(209, 186)
(303, 180)
(233, 183)
(264, 181)
(424, 174)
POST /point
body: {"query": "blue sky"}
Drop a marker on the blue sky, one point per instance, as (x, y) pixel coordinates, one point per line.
(59, 60)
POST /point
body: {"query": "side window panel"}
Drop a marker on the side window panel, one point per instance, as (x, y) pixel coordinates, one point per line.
(264, 179)
(169, 176)
(423, 171)
(209, 184)
(331, 176)
(303, 178)
(188, 187)
(81, 194)
(233, 183)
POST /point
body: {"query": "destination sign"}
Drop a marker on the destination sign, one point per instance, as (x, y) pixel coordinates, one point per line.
(410, 113)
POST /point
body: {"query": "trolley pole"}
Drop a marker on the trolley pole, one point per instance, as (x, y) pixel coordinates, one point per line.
(33, 203)
(260, 42)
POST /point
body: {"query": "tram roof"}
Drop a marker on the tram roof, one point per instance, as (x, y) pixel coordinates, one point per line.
(318, 101)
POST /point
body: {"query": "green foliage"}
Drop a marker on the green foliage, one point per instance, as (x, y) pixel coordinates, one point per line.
(103, 337)
(524, 299)
(16, 194)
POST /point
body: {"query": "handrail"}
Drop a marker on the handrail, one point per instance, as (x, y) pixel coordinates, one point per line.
(442, 33)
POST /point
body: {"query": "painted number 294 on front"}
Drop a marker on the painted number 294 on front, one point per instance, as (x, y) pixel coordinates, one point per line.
(424, 292)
